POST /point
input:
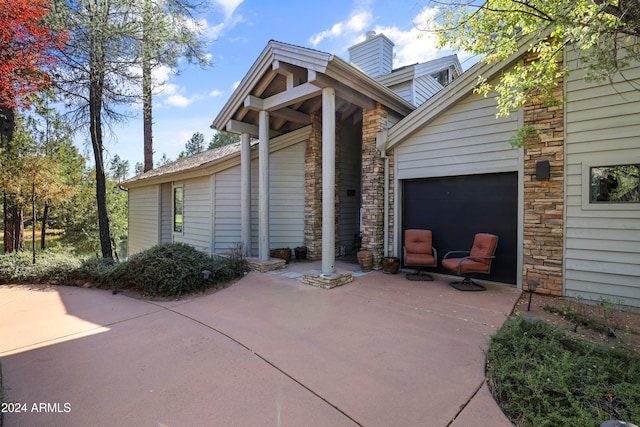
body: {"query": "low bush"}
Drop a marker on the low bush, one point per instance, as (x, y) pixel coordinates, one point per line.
(542, 377)
(172, 269)
(95, 270)
(58, 263)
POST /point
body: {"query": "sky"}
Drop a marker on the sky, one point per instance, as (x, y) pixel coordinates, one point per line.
(189, 101)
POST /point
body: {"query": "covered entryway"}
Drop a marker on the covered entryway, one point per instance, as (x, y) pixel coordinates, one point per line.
(455, 208)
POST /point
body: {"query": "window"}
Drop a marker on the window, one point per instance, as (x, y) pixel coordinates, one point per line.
(442, 77)
(614, 184)
(177, 209)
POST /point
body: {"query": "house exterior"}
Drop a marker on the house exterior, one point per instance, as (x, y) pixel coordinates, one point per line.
(332, 151)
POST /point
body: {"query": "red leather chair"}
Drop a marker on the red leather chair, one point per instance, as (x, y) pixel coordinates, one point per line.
(477, 260)
(419, 252)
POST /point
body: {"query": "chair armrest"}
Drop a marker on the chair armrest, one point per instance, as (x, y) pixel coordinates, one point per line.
(475, 257)
(455, 252)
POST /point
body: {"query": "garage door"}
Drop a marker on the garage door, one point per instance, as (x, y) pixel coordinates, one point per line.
(456, 208)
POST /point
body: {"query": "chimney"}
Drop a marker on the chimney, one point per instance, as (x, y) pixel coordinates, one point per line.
(374, 56)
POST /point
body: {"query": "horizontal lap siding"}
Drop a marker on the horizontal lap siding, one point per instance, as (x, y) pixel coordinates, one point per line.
(143, 218)
(196, 214)
(466, 139)
(602, 245)
(286, 198)
(286, 204)
(227, 221)
(166, 216)
(425, 88)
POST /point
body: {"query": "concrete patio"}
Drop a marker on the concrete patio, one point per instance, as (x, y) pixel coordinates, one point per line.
(268, 350)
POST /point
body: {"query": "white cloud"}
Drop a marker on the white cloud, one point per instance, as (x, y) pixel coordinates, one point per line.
(178, 100)
(216, 92)
(358, 21)
(166, 89)
(411, 45)
(236, 84)
(228, 6)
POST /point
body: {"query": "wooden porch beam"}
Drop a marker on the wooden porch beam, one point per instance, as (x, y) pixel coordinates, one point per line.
(236, 126)
(283, 99)
(344, 92)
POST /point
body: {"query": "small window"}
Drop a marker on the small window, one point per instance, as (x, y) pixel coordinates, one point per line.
(442, 77)
(615, 184)
(177, 209)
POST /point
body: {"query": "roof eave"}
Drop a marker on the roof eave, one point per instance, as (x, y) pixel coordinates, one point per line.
(347, 74)
(274, 51)
(451, 93)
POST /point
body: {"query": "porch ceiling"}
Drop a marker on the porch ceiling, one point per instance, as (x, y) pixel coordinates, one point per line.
(287, 81)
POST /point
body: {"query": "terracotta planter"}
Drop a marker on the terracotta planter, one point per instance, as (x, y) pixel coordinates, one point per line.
(365, 259)
(282, 253)
(391, 264)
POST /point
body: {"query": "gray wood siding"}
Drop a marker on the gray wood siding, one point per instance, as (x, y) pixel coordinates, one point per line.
(143, 218)
(465, 139)
(602, 255)
(227, 221)
(166, 215)
(374, 58)
(197, 214)
(425, 88)
(286, 204)
(405, 90)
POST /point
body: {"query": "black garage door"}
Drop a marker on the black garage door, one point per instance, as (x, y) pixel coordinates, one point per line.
(456, 208)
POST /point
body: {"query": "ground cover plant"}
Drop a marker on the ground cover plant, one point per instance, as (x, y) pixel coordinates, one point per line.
(165, 270)
(173, 269)
(58, 263)
(543, 377)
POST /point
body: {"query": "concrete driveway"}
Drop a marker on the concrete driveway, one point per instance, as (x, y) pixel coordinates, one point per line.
(267, 351)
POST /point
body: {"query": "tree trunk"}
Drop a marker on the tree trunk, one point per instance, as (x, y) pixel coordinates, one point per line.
(33, 222)
(147, 116)
(13, 226)
(43, 230)
(95, 128)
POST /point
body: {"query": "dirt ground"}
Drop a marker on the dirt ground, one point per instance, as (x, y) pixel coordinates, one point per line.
(623, 326)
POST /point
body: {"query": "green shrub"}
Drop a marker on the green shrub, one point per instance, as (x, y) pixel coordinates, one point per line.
(95, 270)
(172, 269)
(59, 263)
(542, 377)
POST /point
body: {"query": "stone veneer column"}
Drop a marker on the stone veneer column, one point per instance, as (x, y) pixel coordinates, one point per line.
(372, 200)
(313, 189)
(544, 200)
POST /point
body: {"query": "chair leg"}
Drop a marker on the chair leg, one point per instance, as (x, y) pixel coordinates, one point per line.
(468, 285)
(419, 276)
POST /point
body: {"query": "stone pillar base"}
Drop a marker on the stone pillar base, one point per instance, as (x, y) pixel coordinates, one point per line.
(326, 281)
(264, 266)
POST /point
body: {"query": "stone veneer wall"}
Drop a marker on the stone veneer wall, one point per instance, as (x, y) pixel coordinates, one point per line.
(372, 225)
(313, 188)
(544, 200)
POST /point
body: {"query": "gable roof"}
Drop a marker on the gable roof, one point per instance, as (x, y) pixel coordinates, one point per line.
(197, 161)
(287, 81)
(450, 94)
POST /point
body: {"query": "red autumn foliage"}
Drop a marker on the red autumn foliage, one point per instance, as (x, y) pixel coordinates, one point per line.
(25, 50)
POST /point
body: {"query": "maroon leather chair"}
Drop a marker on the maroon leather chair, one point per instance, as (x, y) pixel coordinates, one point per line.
(477, 260)
(419, 252)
